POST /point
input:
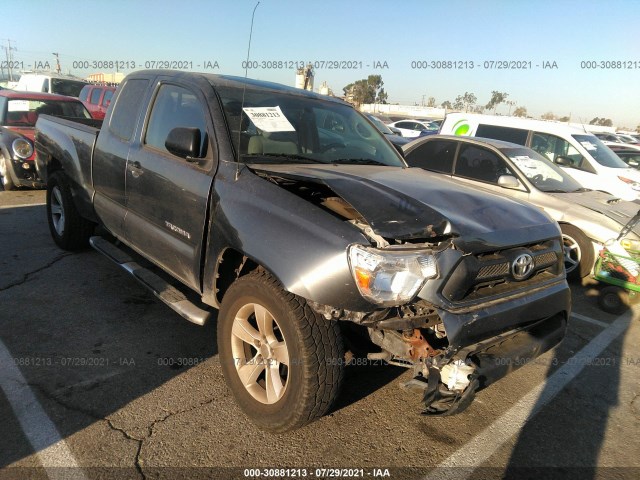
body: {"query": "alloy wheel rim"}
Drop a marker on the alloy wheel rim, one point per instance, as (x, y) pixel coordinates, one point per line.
(260, 353)
(572, 253)
(57, 210)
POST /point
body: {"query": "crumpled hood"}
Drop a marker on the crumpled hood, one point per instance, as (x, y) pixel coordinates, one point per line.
(620, 211)
(411, 203)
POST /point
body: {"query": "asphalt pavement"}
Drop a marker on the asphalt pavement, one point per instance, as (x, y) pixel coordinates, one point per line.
(100, 380)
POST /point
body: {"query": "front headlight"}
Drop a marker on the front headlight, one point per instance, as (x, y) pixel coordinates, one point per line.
(22, 148)
(388, 277)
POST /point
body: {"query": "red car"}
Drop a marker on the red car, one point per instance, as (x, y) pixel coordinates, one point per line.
(18, 114)
(97, 99)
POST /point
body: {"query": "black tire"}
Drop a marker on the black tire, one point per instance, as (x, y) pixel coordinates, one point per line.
(613, 300)
(5, 174)
(313, 345)
(69, 230)
(579, 253)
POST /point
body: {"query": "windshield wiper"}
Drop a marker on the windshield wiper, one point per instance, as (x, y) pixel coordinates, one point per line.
(580, 190)
(359, 161)
(288, 156)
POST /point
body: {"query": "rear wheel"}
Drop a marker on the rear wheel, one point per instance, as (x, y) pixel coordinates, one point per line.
(579, 256)
(69, 230)
(282, 361)
(5, 175)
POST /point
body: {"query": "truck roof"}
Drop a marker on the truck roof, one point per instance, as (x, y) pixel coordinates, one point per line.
(233, 81)
(24, 95)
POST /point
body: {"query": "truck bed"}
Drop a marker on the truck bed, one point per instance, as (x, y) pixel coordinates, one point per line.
(70, 141)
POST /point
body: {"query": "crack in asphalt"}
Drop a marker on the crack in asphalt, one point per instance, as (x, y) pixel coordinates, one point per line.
(95, 416)
(26, 276)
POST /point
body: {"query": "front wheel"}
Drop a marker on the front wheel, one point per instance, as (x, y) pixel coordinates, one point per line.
(282, 361)
(579, 256)
(69, 230)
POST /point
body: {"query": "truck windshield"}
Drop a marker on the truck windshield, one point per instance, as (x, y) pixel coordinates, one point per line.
(600, 152)
(277, 127)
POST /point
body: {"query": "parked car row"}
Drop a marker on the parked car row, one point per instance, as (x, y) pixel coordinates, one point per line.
(588, 219)
(580, 153)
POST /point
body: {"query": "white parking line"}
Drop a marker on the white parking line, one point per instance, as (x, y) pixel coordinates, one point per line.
(477, 451)
(584, 318)
(50, 448)
(21, 205)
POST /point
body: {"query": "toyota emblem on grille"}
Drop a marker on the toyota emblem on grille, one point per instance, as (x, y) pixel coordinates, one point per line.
(522, 266)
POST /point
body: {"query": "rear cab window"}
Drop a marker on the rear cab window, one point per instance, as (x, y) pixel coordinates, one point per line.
(127, 108)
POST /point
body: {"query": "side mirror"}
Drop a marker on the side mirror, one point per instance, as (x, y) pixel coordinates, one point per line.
(184, 142)
(508, 181)
(563, 161)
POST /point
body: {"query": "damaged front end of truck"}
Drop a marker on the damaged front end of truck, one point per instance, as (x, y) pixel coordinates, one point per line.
(461, 304)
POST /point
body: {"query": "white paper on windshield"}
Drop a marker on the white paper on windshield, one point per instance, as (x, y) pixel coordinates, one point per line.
(269, 119)
(523, 161)
(18, 106)
(589, 145)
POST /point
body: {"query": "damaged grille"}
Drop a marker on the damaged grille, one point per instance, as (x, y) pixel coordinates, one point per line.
(491, 274)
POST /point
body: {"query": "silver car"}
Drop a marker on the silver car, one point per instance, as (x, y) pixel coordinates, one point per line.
(587, 218)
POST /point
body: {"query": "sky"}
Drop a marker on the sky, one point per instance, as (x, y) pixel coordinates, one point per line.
(361, 38)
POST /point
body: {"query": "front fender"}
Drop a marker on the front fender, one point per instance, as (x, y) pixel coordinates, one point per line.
(302, 245)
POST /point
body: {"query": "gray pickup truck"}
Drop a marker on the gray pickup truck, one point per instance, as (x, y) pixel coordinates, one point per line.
(291, 214)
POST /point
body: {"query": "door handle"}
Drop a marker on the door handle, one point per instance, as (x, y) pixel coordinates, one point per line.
(136, 169)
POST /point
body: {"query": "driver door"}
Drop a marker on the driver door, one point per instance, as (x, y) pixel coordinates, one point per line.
(167, 196)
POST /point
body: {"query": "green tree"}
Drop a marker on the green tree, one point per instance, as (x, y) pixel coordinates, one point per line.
(548, 116)
(496, 99)
(431, 102)
(603, 122)
(566, 118)
(447, 104)
(520, 112)
(466, 101)
(366, 90)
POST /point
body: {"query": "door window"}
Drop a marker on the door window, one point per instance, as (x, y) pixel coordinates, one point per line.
(480, 164)
(436, 156)
(175, 107)
(553, 147)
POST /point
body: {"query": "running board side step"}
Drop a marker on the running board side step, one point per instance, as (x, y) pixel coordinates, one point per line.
(174, 298)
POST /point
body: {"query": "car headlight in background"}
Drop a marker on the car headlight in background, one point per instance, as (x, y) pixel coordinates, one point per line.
(388, 277)
(22, 148)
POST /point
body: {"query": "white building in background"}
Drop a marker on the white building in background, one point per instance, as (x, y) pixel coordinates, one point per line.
(106, 77)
